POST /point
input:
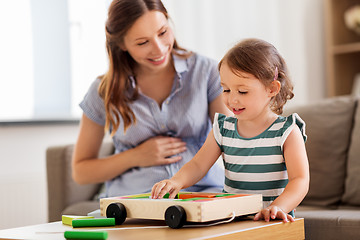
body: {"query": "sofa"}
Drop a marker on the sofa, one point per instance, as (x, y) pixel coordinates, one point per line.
(65, 196)
(331, 208)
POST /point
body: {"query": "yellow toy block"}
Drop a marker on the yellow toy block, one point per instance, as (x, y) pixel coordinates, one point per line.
(67, 219)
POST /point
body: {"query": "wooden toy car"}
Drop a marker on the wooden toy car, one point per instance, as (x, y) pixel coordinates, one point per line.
(187, 207)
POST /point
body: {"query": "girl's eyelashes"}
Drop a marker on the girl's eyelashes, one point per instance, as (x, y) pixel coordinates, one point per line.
(241, 92)
(142, 43)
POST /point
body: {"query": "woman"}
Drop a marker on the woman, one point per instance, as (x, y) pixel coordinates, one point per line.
(156, 100)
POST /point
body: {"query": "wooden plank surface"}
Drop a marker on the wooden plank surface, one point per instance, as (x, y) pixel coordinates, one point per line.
(155, 229)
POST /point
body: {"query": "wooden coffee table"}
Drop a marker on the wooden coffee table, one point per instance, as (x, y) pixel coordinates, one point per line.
(244, 228)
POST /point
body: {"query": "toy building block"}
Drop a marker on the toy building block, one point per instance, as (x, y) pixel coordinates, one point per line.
(99, 235)
(93, 222)
(67, 219)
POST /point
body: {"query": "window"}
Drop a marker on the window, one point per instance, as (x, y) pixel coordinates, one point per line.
(52, 52)
(16, 82)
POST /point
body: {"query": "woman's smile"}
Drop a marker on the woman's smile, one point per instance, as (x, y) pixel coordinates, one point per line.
(158, 61)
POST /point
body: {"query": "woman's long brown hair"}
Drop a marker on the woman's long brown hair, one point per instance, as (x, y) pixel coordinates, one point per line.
(115, 82)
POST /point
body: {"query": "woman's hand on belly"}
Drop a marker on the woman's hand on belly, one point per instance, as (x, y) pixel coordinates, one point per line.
(159, 150)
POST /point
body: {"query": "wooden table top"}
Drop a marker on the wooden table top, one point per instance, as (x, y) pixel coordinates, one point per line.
(244, 228)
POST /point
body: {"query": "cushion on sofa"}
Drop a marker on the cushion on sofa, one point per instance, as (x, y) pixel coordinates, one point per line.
(81, 208)
(77, 192)
(328, 126)
(331, 224)
(352, 183)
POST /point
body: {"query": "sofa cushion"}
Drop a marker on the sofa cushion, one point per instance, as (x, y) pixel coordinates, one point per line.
(81, 208)
(352, 183)
(74, 191)
(331, 224)
(62, 190)
(328, 126)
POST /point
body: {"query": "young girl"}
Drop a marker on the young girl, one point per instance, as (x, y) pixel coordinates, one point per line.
(263, 152)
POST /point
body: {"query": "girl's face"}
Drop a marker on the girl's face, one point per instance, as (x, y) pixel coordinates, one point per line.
(245, 95)
(150, 40)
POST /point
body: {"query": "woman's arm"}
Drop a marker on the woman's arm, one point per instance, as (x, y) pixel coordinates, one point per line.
(88, 168)
(298, 173)
(191, 172)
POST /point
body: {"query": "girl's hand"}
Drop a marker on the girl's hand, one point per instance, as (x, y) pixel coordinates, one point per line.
(273, 212)
(158, 151)
(163, 187)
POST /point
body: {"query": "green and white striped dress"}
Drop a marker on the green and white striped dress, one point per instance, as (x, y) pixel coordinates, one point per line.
(255, 165)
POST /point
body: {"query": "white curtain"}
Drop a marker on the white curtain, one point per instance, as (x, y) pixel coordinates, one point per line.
(294, 27)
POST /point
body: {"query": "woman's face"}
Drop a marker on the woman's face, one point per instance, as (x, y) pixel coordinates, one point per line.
(150, 40)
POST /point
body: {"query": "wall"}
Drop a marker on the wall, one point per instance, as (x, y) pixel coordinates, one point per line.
(23, 171)
(294, 27)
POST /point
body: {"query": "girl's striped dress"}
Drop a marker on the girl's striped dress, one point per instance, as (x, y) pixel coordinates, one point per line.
(255, 165)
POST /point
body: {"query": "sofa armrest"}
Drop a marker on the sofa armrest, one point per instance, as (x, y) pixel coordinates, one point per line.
(62, 189)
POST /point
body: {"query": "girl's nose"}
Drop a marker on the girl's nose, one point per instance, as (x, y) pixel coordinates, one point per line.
(234, 98)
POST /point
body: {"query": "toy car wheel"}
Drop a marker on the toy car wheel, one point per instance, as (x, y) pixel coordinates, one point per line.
(117, 211)
(175, 216)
